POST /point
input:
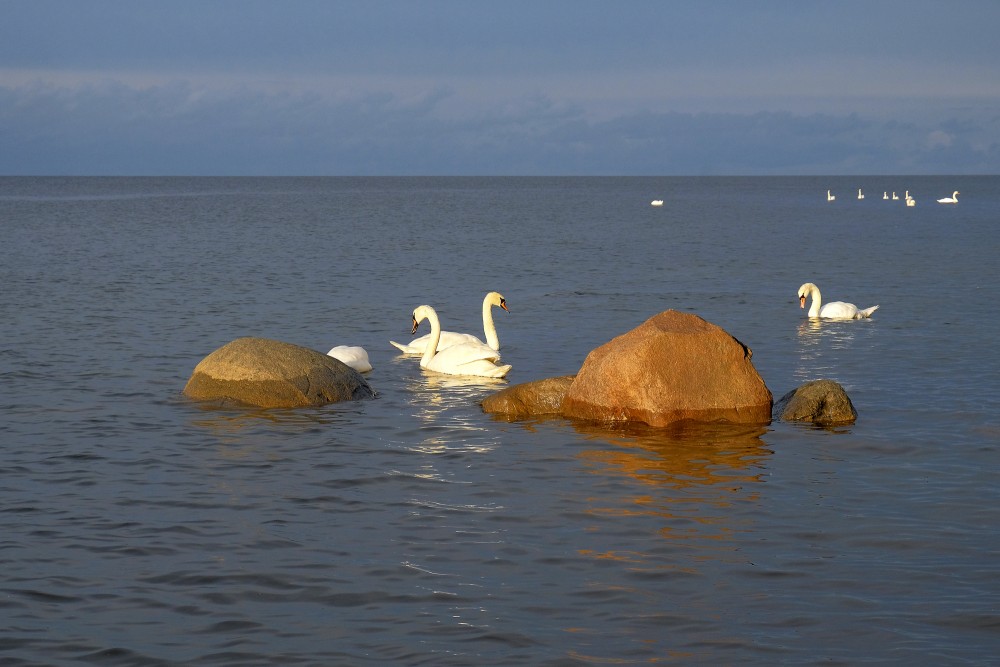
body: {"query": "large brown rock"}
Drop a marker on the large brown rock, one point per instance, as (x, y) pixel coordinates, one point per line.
(822, 402)
(673, 367)
(272, 374)
(530, 399)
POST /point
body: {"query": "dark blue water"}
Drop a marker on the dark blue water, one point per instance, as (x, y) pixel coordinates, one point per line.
(138, 528)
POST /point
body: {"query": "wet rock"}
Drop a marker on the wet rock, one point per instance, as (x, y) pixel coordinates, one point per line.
(822, 402)
(530, 399)
(272, 374)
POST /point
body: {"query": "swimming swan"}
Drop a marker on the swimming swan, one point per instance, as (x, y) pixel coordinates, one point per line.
(461, 359)
(860, 194)
(830, 197)
(352, 355)
(953, 199)
(833, 310)
(449, 338)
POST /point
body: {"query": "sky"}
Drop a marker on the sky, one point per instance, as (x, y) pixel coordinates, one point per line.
(511, 87)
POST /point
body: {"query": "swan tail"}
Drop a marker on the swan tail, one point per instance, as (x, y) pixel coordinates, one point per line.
(405, 349)
(867, 312)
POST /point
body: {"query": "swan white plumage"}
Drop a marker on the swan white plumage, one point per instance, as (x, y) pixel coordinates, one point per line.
(885, 195)
(833, 310)
(449, 338)
(860, 194)
(460, 359)
(656, 202)
(953, 199)
(895, 197)
(830, 197)
(352, 355)
(910, 201)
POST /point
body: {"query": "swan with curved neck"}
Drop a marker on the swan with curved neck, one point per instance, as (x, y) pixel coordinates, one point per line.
(834, 310)
(461, 359)
(449, 338)
(953, 199)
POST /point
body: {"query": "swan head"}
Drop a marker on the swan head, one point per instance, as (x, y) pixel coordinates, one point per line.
(421, 313)
(804, 292)
(496, 299)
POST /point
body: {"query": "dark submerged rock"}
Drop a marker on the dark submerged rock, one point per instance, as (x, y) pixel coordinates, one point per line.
(529, 399)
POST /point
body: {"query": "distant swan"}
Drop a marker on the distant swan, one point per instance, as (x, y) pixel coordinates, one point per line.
(830, 197)
(910, 201)
(833, 310)
(460, 359)
(860, 194)
(656, 202)
(895, 196)
(953, 199)
(352, 355)
(885, 195)
(449, 338)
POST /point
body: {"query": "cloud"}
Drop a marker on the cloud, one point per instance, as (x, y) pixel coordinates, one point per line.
(181, 127)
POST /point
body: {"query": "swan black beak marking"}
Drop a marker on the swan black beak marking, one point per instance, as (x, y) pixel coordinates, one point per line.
(414, 329)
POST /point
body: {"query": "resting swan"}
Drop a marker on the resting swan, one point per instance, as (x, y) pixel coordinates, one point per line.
(953, 199)
(352, 355)
(833, 310)
(460, 359)
(830, 197)
(449, 338)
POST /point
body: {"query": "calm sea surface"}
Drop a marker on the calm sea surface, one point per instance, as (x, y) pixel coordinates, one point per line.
(138, 528)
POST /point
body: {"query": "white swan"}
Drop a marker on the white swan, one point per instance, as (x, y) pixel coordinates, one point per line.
(953, 199)
(833, 310)
(352, 355)
(449, 338)
(830, 197)
(460, 359)
(656, 202)
(860, 194)
(910, 201)
(895, 197)
(885, 195)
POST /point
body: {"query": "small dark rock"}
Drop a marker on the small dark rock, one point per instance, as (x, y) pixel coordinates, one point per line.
(822, 402)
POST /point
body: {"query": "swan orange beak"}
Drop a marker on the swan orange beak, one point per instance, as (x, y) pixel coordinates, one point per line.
(414, 329)
(802, 303)
(503, 304)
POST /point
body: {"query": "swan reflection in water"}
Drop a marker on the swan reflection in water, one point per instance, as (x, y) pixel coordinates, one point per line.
(692, 477)
(819, 344)
(442, 402)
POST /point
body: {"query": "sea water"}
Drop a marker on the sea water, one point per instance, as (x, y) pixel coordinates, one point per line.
(139, 528)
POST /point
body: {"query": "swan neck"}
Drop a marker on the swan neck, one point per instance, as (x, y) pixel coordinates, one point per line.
(488, 327)
(817, 301)
(432, 344)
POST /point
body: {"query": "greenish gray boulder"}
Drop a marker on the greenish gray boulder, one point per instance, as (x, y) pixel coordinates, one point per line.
(271, 374)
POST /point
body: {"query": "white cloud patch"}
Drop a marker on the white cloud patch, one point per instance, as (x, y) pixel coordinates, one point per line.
(939, 139)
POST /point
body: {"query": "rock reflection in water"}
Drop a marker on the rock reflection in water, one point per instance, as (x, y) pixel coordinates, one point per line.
(690, 477)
